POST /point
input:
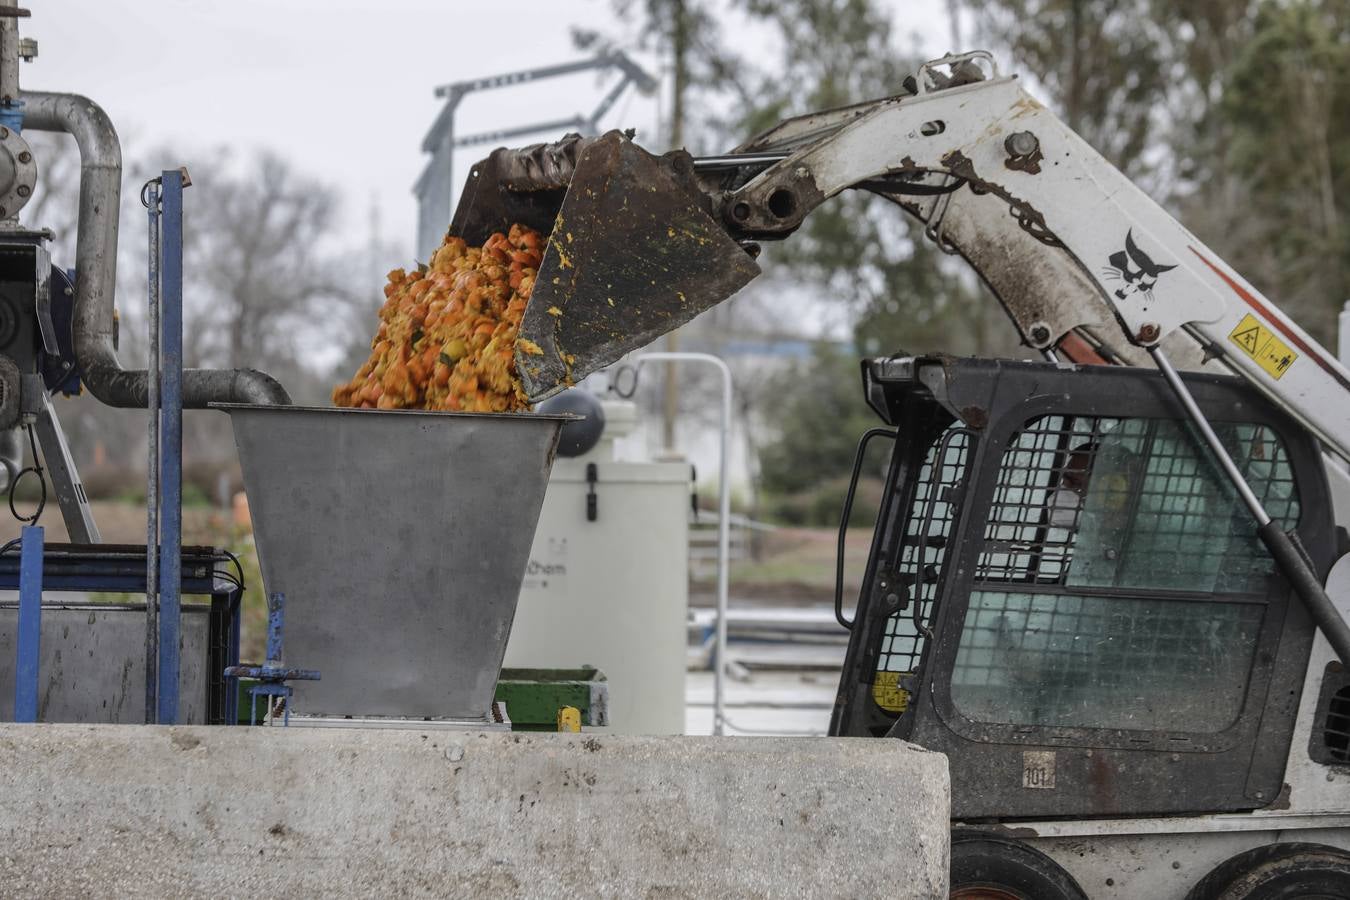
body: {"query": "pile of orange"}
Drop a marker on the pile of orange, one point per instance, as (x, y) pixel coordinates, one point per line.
(448, 331)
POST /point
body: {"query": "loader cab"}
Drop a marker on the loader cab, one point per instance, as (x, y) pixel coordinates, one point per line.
(1066, 597)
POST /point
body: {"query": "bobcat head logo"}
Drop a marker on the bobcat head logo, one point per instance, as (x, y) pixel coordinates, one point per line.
(1134, 267)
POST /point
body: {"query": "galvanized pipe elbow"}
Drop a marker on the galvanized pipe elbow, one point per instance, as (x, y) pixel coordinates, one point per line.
(96, 267)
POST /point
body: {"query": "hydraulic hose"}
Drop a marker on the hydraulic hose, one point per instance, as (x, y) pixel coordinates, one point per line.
(1292, 562)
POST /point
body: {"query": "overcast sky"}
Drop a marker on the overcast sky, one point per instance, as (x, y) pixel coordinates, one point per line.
(342, 87)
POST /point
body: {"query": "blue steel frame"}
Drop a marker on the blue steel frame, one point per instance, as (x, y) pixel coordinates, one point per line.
(120, 568)
(30, 625)
(151, 198)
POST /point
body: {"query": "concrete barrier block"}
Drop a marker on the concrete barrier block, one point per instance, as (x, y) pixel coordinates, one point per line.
(154, 811)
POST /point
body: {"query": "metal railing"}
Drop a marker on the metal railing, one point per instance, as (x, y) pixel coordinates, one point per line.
(723, 516)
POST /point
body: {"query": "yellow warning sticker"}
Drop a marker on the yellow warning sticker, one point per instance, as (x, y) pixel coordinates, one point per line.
(888, 693)
(1261, 344)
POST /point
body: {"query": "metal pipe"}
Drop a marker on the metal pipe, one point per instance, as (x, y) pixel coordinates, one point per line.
(723, 522)
(96, 265)
(9, 56)
(510, 78)
(152, 473)
(492, 137)
(735, 160)
(171, 446)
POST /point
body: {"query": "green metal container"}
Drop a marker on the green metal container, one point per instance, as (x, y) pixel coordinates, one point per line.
(533, 697)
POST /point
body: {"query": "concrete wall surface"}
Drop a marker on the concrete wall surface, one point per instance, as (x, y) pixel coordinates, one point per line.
(127, 810)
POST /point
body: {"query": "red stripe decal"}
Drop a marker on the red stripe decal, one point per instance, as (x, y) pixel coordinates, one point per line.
(1274, 321)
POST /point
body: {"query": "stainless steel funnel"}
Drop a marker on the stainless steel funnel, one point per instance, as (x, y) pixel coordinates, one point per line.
(400, 541)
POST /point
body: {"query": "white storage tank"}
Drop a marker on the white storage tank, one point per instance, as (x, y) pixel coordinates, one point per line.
(607, 581)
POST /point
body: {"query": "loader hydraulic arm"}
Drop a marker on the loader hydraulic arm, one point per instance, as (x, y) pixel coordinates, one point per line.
(1066, 241)
(1084, 262)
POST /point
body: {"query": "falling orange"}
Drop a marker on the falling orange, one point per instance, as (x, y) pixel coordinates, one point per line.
(448, 331)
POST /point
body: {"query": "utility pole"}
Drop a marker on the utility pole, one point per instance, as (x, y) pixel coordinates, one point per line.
(680, 76)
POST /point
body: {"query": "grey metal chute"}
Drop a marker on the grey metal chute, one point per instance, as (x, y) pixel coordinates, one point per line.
(400, 539)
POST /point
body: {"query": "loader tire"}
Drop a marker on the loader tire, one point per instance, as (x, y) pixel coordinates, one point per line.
(991, 867)
(1279, 872)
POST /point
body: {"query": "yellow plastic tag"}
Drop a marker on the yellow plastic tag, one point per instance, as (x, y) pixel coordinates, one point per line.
(569, 719)
(888, 694)
(1261, 344)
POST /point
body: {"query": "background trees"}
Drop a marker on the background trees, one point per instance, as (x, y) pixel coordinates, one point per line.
(270, 284)
(1233, 113)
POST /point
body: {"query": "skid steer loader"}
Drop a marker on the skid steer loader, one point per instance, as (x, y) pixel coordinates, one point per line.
(1110, 586)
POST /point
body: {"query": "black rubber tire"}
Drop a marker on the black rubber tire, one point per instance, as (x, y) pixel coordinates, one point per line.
(1291, 871)
(1007, 869)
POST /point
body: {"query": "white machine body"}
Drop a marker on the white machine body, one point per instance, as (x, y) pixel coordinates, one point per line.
(613, 592)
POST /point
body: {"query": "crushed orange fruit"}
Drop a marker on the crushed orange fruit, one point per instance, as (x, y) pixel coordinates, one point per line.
(448, 331)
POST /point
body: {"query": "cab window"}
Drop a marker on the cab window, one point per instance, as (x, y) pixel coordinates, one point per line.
(1121, 583)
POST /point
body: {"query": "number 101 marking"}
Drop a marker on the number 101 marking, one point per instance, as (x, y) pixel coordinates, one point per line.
(1038, 769)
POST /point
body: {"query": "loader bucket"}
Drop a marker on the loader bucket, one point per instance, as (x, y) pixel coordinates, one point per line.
(400, 540)
(632, 256)
(632, 253)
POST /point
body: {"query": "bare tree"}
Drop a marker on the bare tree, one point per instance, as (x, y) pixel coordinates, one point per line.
(268, 285)
(55, 199)
(269, 282)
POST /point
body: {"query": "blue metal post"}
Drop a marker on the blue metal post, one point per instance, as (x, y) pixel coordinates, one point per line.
(171, 443)
(151, 195)
(30, 625)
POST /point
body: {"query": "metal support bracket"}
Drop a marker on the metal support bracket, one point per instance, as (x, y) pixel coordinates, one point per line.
(592, 501)
(60, 465)
(273, 674)
(170, 498)
(42, 297)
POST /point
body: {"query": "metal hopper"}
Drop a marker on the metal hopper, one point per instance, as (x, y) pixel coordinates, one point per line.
(400, 540)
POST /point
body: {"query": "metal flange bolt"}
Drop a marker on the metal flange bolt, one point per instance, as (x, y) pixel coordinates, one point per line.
(18, 172)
